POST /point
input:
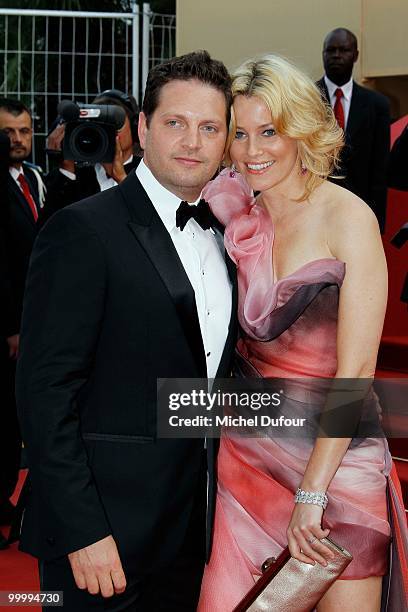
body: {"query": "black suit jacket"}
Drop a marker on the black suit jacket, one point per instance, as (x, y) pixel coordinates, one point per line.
(63, 191)
(18, 231)
(114, 311)
(364, 160)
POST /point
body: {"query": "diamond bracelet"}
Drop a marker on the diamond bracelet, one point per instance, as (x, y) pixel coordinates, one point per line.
(311, 497)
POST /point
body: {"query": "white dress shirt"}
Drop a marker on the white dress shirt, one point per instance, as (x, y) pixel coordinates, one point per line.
(104, 181)
(41, 187)
(204, 265)
(347, 90)
(15, 174)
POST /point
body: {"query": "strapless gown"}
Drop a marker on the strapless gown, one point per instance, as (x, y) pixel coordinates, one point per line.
(289, 330)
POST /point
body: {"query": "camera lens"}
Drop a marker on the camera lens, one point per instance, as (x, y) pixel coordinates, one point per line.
(89, 142)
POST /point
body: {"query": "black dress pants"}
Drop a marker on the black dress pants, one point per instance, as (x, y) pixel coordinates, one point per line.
(175, 588)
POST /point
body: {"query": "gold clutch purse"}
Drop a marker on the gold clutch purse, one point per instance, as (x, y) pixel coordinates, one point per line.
(288, 585)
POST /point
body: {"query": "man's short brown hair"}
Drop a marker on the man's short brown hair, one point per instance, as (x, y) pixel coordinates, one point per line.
(193, 66)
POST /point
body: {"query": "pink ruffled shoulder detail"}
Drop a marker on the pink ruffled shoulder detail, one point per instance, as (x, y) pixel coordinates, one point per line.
(248, 228)
(228, 196)
(266, 306)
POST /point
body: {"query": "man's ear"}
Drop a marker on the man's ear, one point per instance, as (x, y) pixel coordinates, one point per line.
(356, 52)
(142, 129)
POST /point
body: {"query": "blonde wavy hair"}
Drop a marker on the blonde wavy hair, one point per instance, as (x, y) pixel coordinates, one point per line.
(297, 111)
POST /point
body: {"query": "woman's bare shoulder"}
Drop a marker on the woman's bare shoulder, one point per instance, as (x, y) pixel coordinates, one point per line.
(343, 208)
(350, 226)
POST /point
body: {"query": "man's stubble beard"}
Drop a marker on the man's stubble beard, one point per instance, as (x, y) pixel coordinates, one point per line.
(191, 181)
(186, 181)
(17, 158)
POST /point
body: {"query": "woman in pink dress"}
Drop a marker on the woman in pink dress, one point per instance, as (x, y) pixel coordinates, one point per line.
(312, 297)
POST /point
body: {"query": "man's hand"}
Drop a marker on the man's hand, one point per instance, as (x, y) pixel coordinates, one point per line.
(13, 342)
(98, 568)
(54, 143)
(116, 169)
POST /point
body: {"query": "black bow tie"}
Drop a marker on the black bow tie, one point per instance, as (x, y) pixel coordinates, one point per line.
(200, 212)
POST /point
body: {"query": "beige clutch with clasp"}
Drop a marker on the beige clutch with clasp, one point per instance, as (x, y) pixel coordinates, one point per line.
(289, 585)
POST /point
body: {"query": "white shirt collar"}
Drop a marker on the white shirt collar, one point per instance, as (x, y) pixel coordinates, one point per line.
(128, 160)
(164, 201)
(104, 181)
(124, 163)
(347, 88)
(15, 173)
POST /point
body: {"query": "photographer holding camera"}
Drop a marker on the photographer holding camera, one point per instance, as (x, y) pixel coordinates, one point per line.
(73, 180)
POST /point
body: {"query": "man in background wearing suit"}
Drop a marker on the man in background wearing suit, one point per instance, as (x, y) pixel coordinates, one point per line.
(365, 118)
(21, 205)
(125, 287)
(6, 306)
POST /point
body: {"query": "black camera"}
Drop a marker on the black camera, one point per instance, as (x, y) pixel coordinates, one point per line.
(90, 131)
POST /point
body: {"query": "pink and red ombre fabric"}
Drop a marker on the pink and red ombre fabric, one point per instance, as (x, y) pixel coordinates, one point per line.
(290, 327)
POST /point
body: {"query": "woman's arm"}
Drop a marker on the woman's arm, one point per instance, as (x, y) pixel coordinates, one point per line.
(353, 237)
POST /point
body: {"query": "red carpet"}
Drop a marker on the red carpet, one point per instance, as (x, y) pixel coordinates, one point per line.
(18, 571)
(393, 354)
(396, 320)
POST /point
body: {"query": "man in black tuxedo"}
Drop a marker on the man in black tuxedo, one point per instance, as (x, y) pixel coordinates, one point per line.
(365, 117)
(70, 182)
(21, 205)
(122, 295)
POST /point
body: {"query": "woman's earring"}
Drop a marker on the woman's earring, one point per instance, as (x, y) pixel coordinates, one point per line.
(233, 171)
(303, 169)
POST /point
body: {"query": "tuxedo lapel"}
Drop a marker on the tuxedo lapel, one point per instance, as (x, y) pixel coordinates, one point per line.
(223, 370)
(323, 90)
(148, 229)
(33, 185)
(357, 111)
(345, 152)
(232, 329)
(357, 106)
(20, 199)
